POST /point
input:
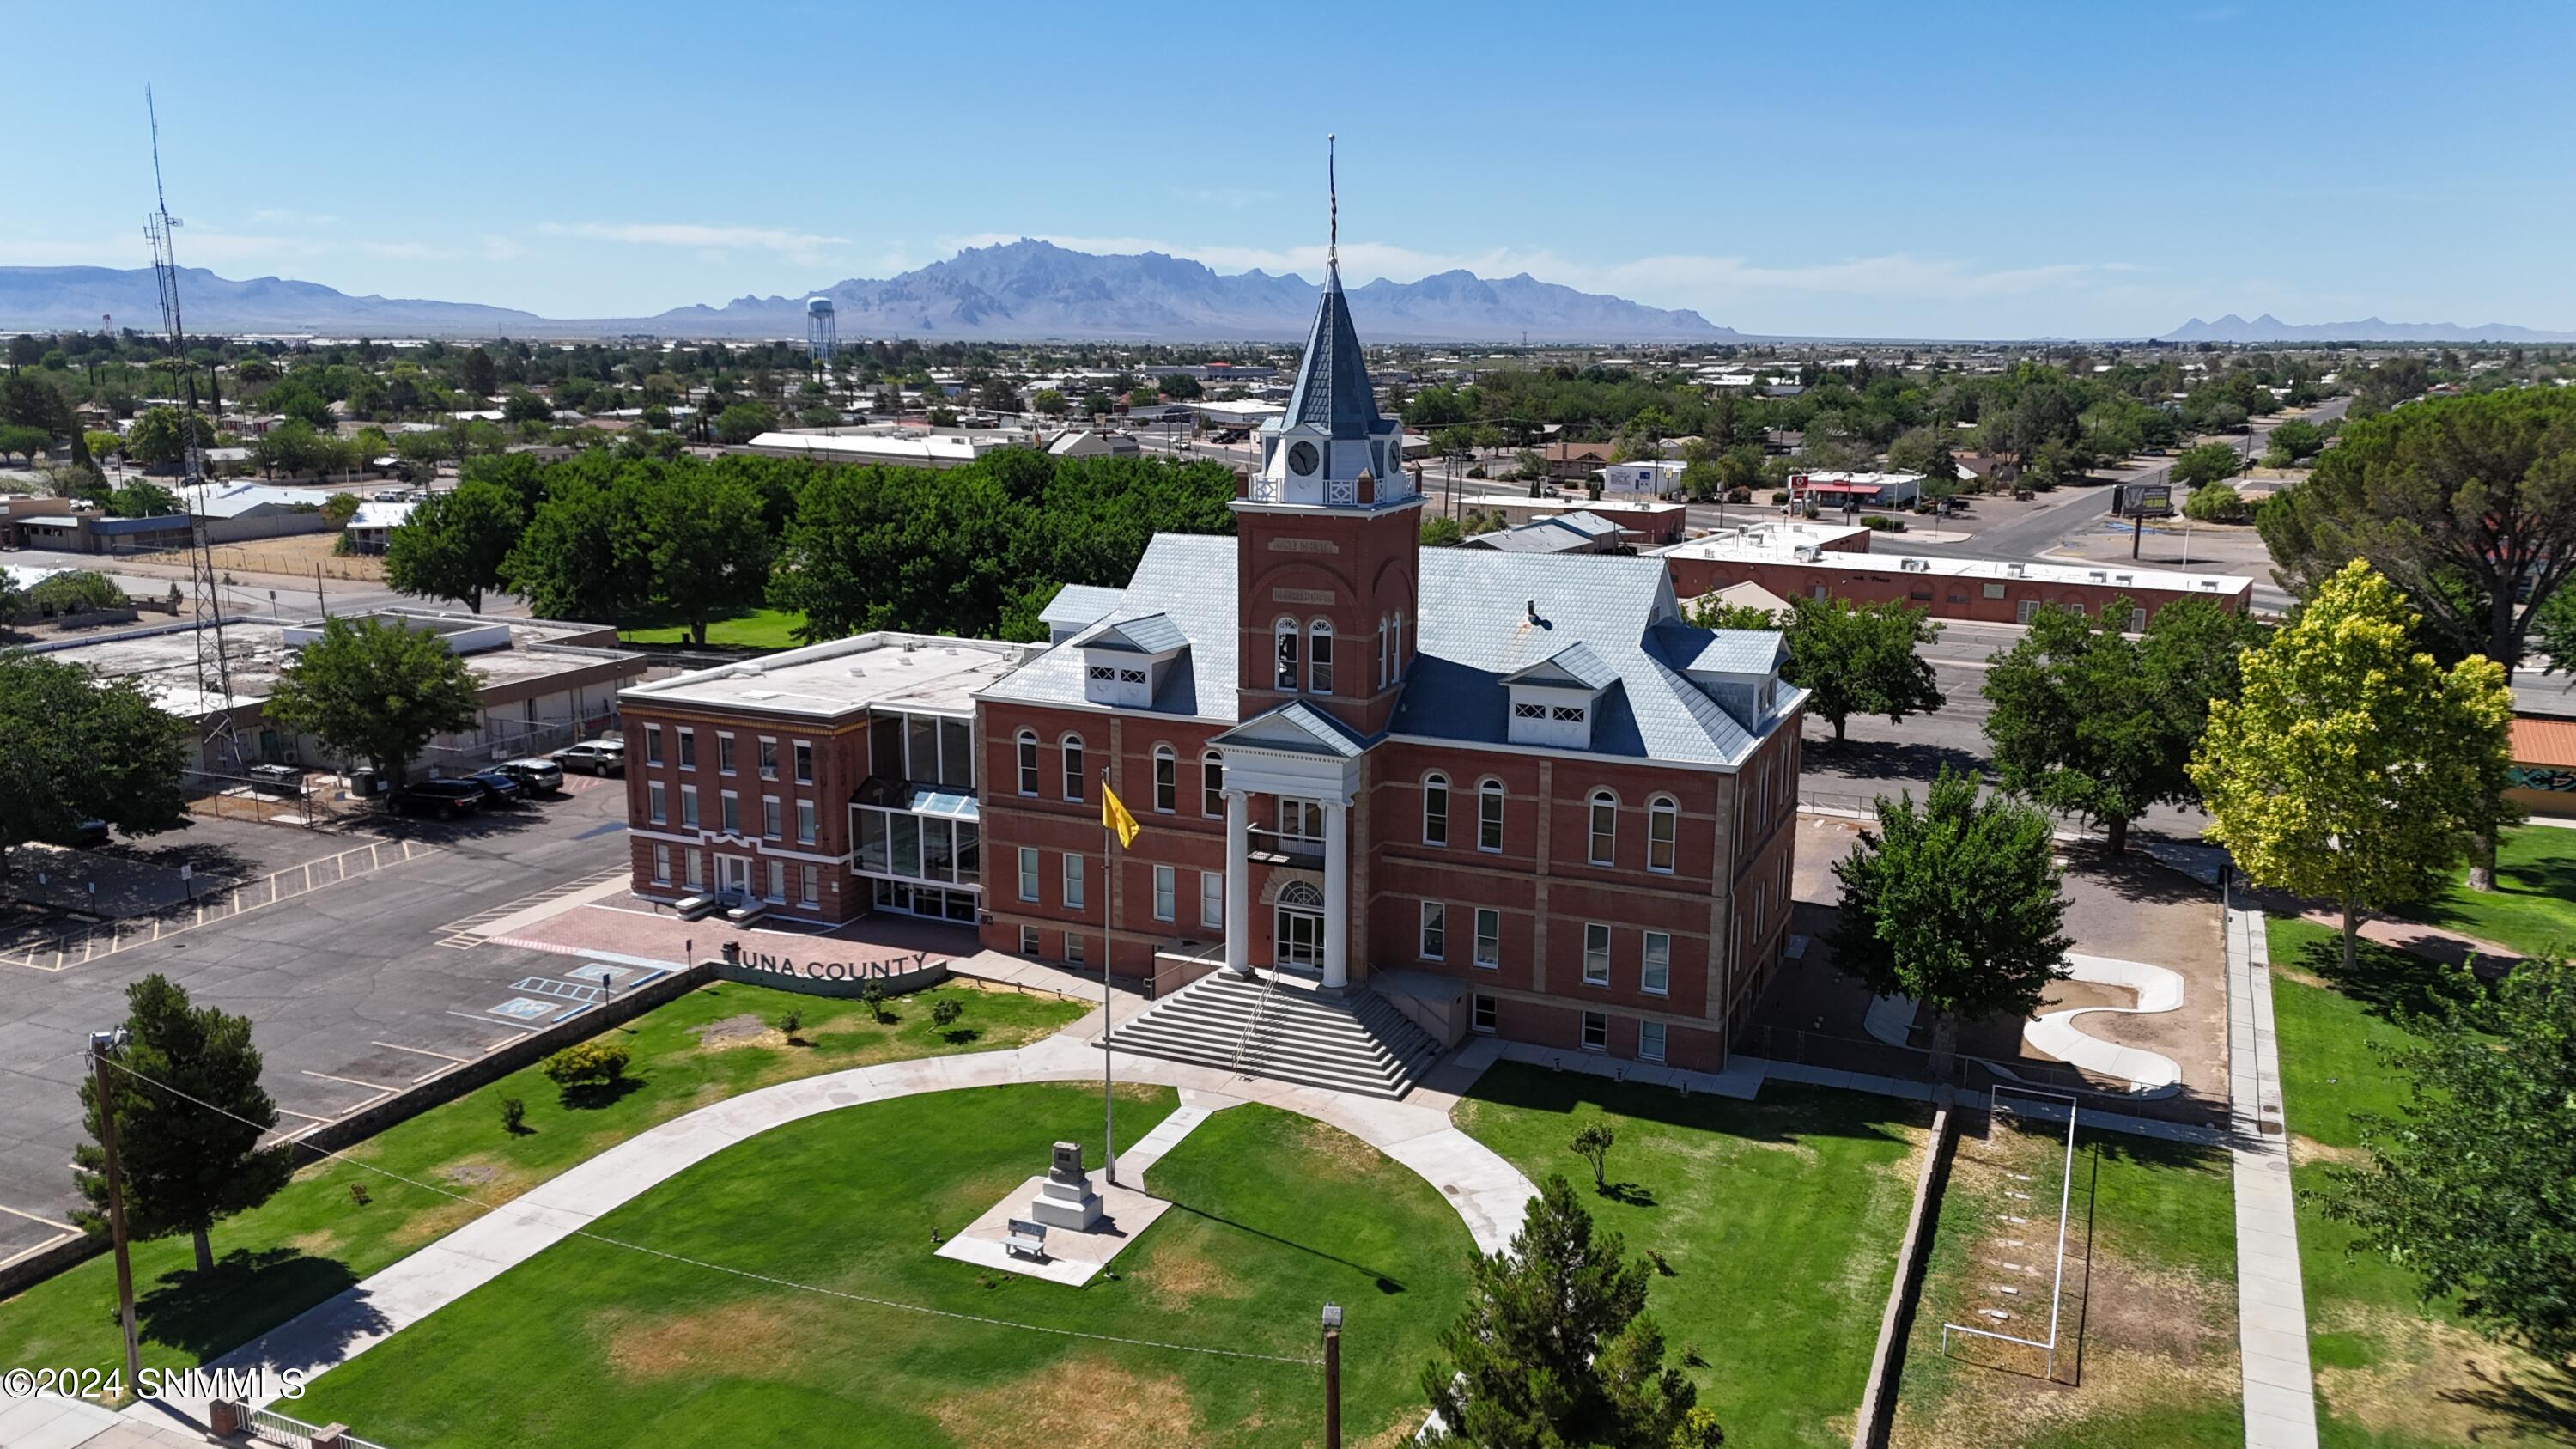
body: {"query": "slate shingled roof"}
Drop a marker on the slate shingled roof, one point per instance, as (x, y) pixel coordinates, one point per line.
(1138, 634)
(1189, 579)
(1332, 379)
(1076, 605)
(1473, 633)
(1296, 726)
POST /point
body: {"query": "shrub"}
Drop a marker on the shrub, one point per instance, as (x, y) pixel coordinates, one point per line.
(945, 1011)
(874, 996)
(587, 1064)
(1779, 495)
(1882, 523)
(1741, 495)
(514, 1116)
(2216, 503)
(1476, 471)
(791, 1023)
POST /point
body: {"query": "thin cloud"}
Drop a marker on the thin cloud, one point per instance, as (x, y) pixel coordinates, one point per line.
(687, 234)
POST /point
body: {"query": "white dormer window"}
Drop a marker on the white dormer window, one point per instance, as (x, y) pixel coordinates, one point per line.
(1553, 700)
(1124, 661)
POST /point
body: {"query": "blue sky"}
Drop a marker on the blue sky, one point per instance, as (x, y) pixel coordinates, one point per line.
(2080, 169)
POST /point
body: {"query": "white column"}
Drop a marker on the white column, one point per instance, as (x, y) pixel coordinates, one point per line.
(1238, 883)
(1337, 895)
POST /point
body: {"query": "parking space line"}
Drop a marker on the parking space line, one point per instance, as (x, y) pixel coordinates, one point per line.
(44, 1246)
(307, 1116)
(420, 1051)
(493, 1021)
(36, 1218)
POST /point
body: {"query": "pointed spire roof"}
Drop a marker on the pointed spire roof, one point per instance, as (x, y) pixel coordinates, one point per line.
(1333, 390)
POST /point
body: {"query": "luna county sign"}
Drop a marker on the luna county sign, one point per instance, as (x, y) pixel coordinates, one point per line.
(826, 970)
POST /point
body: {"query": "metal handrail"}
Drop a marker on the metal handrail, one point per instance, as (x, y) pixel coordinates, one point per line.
(1251, 1028)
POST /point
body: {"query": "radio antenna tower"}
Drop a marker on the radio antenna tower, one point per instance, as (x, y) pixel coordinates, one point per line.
(220, 745)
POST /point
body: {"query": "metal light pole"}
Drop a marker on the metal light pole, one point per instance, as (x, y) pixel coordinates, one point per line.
(1332, 1375)
(100, 1044)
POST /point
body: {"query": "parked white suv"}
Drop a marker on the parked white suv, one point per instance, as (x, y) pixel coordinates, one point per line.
(594, 757)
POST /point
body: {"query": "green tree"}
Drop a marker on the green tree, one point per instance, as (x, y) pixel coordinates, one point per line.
(1555, 1348)
(704, 546)
(80, 749)
(159, 435)
(103, 444)
(523, 406)
(453, 544)
(1957, 905)
(1050, 403)
(375, 691)
(1592, 1142)
(2294, 442)
(476, 374)
(2353, 768)
(339, 508)
(189, 1113)
(142, 498)
(1861, 659)
(2091, 721)
(1712, 612)
(2468, 1187)
(2205, 464)
(23, 440)
(1095, 403)
(745, 421)
(294, 447)
(1441, 531)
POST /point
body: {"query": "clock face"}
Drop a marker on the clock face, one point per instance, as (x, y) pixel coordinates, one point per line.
(1301, 458)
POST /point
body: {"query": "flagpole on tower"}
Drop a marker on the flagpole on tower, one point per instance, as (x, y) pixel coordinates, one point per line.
(1332, 206)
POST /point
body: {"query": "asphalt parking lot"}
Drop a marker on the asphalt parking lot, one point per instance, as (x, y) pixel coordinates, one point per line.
(341, 946)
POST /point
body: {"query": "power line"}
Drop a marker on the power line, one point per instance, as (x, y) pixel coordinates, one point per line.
(744, 1273)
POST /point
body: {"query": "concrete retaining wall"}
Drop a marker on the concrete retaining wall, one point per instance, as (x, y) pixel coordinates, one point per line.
(1878, 1399)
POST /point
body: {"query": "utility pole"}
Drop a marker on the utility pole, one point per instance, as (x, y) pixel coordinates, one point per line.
(100, 1044)
(1332, 1375)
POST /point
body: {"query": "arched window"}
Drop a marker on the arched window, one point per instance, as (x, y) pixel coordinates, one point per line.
(1167, 779)
(1381, 651)
(1319, 657)
(1489, 815)
(1028, 761)
(1395, 652)
(1286, 632)
(1302, 894)
(1073, 772)
(1435, 809)
(1605, 829)
(1211, 784)
(1663, 827)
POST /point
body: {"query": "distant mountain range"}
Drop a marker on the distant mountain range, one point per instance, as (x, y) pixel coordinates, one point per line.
(2268, 328)
(1022, 290)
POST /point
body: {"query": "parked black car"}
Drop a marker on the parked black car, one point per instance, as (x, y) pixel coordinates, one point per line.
(445, 799)
(497, 788)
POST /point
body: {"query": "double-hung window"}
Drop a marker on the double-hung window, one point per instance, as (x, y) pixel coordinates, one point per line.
(1212, 898)
(1028, 872)
(1489, 816)
(1073, 880)
(655, 802)
(1489, 938)
(1596, 954)
(1435, 810)
(1166, 887)
(1435, 931)
(1656, 973)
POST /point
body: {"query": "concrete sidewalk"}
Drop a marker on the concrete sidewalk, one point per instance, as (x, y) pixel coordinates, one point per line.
(1489, 1194)
(2271, 1300)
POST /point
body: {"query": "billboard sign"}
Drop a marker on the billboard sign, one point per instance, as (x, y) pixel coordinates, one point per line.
(2151, 499)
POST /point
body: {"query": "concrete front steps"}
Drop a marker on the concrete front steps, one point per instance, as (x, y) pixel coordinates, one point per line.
(1357, 1043)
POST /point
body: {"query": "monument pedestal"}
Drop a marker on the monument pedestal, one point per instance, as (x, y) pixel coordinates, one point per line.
(1065, 1199)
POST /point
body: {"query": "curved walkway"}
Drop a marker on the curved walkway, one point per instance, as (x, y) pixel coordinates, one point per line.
(2158, 989)
(1488, 1192)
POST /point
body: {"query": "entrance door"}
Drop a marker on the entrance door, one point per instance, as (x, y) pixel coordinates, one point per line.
(1298, 943)
(733, 876)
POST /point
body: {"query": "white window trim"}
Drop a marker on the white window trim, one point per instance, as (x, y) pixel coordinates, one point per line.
(1167, 893)
(1074, 762)
(1583, 1031)
(1656, 1055)
(1664, 807)
(1495, 791)
(1422, 944)
(1609, 946)
(1031, 883)
(1592, 842)
(1448, 802)
(1476, 941)
(1077, 890)
(1646, 954)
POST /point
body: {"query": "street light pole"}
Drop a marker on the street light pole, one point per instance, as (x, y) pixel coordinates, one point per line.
(100, 1044)
(1332, 1375)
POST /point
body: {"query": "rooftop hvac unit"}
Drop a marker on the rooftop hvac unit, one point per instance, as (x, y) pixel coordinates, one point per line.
(1915, 565)
(2096, 575)
(2019, 571)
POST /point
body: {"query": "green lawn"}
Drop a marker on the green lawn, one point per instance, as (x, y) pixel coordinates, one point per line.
(757, 629)
(2147, 1321)
(2533, 907)
(314, 1239)
(1779, 1218)
(588, 1344)
(2391, 1371)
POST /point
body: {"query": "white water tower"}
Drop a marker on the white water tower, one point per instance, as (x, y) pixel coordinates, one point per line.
(822, 333)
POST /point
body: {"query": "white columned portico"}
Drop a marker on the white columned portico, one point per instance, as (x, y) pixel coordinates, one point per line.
(1238, 882)
(1337, 894)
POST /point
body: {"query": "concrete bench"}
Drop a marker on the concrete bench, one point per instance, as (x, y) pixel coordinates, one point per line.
(1027, 1239)
(693, 907)
(745, 915)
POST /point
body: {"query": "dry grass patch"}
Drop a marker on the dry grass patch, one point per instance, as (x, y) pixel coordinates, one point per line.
(2435, 1382)
(1336, 1152)
(1085, 1403)
(738, 1031)
(751, 1336)
(1180, 1277)
(2305, 1150)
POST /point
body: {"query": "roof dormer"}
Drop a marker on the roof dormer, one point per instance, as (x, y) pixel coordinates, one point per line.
(1124, 661)
(1555, 701)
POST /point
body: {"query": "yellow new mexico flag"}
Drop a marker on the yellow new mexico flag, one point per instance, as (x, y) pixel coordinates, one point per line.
(1114, 816)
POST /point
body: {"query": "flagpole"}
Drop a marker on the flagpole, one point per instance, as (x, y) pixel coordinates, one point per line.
(1108, 931)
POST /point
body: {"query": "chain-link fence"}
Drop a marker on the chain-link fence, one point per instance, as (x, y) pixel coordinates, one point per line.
(504, 739)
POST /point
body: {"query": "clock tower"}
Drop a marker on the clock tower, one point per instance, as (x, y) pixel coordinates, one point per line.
(1328, 540)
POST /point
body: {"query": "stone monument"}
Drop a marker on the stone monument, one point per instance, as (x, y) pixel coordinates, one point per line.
(1065, 1199)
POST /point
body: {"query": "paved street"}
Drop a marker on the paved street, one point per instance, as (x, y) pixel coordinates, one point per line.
(354, 989)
